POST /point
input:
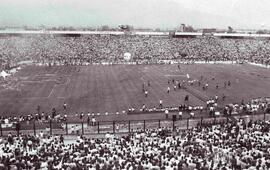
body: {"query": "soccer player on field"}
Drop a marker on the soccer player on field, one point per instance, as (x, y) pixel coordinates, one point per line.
(168, 90)
(93, 121)
(65, 106)
(160, 103)
(186, 98)
(167, 113)
(180, 115)
(143, 107)
(216, 98)
(192, 114)
(206, 86)
(145, 93)
(223, 97)
(179, 85)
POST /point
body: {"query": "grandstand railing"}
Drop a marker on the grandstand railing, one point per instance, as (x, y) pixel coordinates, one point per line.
(121, 127)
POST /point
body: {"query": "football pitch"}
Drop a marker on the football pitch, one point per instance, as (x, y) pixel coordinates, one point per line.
(114, 88)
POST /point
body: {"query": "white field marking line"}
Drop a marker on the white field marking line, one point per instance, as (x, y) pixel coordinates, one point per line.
(24, 98)
(68, 80)
(66, 83)
(45, 75)
(28, 81)
(41, 82)
(8, 87)
(142, 78)
(171, 75)
(51, 91)
(48, 74)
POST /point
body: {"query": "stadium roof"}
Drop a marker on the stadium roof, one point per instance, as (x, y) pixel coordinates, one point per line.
(244, 35)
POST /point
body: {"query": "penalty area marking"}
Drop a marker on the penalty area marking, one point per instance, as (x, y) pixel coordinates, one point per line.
(66, 83)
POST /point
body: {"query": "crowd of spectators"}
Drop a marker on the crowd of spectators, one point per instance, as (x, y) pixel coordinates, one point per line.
(38, 117)
(143, 49)
(235, 145)
(252, 107)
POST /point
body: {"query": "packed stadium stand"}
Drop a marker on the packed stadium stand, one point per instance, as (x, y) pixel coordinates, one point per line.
(238, 145)
(80, 48)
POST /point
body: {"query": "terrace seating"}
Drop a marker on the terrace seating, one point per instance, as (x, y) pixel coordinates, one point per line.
(236, 145)
(105, 48)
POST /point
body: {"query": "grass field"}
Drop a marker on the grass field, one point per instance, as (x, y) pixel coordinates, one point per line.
(114, 88)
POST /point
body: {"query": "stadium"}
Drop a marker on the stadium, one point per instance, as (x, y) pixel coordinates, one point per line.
(185, 100)
(134, 85)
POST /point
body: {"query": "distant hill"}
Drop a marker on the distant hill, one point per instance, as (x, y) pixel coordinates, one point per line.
(140, 13)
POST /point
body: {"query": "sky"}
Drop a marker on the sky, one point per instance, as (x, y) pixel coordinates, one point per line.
(239, 14)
